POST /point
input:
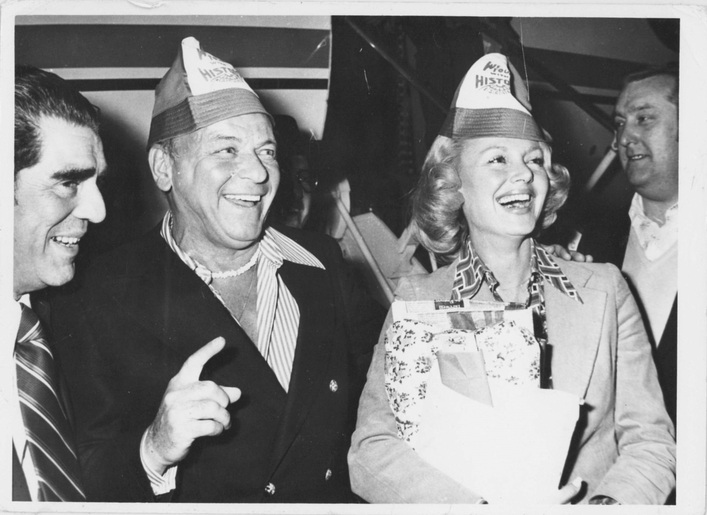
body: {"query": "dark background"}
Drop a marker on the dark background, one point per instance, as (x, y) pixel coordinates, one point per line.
(378, 125)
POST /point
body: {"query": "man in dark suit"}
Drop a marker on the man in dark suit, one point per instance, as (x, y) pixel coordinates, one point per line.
(58, 158)
(218, 358)
(644, 242)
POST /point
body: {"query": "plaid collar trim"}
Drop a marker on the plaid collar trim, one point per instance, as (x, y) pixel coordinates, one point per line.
(472, 272)
(543, 263)
(470, 275)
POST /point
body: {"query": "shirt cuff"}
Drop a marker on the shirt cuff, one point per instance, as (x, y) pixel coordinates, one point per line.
(161, 484)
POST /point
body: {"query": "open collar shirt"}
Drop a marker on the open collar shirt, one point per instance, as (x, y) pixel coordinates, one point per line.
(277, 311)
(277, 315)
(472, 273)
(654, 239)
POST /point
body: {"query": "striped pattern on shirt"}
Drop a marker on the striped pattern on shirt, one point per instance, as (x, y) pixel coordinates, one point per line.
(471, 272)
(278, 314)
(48, 433)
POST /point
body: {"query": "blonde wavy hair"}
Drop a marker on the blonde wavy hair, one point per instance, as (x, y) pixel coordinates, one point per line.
(437, 217)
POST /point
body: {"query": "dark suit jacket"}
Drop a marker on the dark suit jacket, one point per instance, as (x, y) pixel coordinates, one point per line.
(606, 241)
(140, 312)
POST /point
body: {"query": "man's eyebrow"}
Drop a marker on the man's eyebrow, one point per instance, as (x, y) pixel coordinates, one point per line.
(218, 139)
(225, 137)
(74, 174)
(642, 107)
(647, 106)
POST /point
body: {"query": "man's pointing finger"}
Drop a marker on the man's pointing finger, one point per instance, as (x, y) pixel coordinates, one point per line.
(192, 367)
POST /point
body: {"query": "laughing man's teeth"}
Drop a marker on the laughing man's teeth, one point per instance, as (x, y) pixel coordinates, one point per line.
(635, 157)
(65, 240)
(521, 197)
(246, 198)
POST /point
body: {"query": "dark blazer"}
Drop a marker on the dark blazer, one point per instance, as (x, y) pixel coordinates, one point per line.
(137, 315)
(606, 241)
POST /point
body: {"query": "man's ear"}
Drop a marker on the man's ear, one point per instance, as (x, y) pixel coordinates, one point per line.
(161, 165)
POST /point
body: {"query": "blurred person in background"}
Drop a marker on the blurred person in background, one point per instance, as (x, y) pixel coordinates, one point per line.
(293, 203)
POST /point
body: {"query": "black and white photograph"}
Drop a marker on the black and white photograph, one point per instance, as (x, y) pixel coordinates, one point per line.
(351, 257)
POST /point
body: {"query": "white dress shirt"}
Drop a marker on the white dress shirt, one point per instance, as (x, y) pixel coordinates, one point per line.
(650, 263)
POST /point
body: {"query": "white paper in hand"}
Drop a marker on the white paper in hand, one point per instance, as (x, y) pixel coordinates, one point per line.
(511, 453)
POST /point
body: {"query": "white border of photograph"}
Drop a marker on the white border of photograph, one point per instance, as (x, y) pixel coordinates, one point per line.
(692, 271)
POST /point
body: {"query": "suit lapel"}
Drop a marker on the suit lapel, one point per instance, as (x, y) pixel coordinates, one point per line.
(311, 289)
(574, 331)
(20, 490)
(42, 307)
(174, 305)
(179, 309)
(668, 339)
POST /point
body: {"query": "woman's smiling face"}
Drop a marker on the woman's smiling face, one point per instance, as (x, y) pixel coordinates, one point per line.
(504, 185)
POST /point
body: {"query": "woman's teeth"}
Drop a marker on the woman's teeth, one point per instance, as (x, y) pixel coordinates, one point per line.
(514, 200)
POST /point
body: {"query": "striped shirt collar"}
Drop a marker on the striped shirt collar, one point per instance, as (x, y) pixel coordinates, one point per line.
(274, 246)
(472, 272)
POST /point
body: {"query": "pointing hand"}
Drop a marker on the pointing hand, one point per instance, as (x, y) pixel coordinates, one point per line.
(190, 409)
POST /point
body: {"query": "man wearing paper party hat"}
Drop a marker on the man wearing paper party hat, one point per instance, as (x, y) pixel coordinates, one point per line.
(487, 186)
(211, 360)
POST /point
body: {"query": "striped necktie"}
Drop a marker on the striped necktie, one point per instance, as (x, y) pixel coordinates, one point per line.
(44, 415)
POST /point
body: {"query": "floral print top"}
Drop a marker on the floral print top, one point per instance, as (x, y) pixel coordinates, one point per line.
(512, 354)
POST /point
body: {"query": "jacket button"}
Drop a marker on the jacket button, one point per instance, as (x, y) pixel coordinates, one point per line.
(333, 386)
(270, 489)
(327, 476)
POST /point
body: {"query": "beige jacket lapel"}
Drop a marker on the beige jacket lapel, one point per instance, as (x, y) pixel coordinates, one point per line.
(574, 330)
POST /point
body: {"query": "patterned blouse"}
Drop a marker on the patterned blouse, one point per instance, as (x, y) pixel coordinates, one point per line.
(472, 273)
(512, 355)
